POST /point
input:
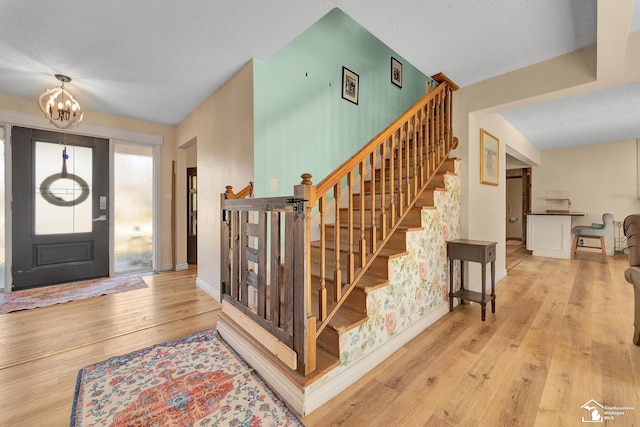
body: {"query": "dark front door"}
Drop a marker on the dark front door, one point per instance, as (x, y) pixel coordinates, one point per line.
(192, 216)
(60, 207)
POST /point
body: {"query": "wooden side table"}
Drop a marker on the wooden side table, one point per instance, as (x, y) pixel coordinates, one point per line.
(474, 251)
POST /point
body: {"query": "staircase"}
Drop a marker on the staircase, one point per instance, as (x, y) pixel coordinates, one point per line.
(408, 278)
(322, 285)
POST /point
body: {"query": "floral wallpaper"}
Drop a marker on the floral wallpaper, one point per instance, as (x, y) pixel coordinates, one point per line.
(418, 281)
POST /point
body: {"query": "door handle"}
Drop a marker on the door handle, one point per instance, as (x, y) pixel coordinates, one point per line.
(100, 218)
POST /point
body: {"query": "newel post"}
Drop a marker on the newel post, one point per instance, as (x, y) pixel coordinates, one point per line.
(304, 323)
(225, 245)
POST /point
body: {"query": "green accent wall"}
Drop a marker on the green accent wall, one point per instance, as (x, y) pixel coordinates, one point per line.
(301, 122)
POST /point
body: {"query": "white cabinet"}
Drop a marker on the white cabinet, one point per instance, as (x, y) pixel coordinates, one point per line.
(550, 235)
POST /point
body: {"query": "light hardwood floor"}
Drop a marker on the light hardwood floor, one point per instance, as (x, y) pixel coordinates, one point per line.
(42, 350)
(561, 336)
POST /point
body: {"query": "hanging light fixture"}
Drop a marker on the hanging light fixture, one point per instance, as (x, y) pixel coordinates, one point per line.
(60, 106)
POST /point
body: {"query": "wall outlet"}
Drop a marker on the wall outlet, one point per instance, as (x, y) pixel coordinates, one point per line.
(581, 242)
(273, 185)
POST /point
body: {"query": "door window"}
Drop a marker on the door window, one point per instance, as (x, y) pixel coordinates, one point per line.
(62, 190)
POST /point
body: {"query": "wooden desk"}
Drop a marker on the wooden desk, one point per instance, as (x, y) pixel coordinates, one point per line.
(475, 251)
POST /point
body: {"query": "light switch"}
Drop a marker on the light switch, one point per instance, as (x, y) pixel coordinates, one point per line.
(273, 185)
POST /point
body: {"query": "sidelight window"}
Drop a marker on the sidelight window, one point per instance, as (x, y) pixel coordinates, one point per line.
(133, 208)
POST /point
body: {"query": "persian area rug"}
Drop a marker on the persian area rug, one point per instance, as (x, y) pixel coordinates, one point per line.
(56, 294)
(197, 380)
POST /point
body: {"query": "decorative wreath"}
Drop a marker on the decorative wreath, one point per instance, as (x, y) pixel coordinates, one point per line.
(45, 190)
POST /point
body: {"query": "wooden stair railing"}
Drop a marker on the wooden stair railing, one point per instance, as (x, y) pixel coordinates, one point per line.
(244, 193)
(386, 175)
(262, 259)
(266, 243)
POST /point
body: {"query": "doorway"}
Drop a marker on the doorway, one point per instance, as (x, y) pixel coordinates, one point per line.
(192, 215)
(518, 204)
(60, 189)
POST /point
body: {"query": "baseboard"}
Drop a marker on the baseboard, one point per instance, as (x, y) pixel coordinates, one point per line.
(321, 391)
(213, 292)
(183, 266)
(166, 267)
(499, 275)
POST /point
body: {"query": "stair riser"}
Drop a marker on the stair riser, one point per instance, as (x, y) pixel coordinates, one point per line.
(436, 182)
(356, 301)
(331, 261)
(427, 198)
(387, 167)
(344, 235)
(398, 240)
(379, 268)
(367, 200)
(356, 221)
(413, 218)
(329, 341)
(388, 189)
(449, 165)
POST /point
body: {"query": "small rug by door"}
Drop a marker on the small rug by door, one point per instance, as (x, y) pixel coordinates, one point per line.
(56, 294)
(197, 380)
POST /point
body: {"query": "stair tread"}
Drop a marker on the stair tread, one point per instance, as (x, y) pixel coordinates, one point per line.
(391, 253)
(372, 281)
(407, 228)
(346, 318)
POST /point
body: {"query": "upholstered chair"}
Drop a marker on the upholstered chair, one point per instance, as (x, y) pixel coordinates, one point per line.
(631, 227)
(595, 231)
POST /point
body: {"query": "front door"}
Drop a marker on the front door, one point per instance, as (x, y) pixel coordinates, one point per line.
(60, 207)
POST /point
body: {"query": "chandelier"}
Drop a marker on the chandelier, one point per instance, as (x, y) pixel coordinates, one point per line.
(59, 105)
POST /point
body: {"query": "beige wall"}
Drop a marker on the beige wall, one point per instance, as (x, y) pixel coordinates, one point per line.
(475, 106)
(192, 156)
(29, 107)
(599, 178)
(223, 128)
(483, 209)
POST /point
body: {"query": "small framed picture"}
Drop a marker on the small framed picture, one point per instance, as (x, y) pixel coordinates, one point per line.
(396, 72)
(350, 85)
(489, 158)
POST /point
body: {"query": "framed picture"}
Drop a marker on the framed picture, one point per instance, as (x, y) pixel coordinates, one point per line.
(350, 85)
(489, 158)
(396, 72)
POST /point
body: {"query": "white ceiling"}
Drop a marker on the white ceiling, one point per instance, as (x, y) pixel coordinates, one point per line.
(157, 60)
(601, 116)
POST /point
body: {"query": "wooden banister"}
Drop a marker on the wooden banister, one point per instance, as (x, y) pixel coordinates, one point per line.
(396, 165)
(242, 194)
(296, 292)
